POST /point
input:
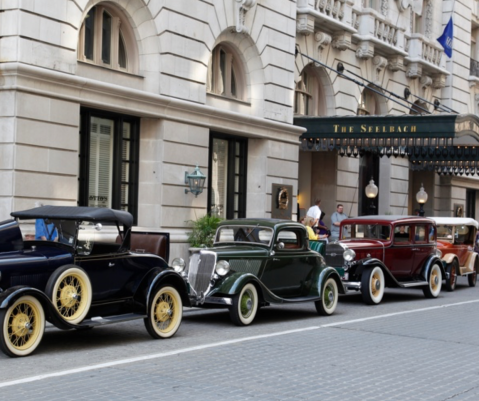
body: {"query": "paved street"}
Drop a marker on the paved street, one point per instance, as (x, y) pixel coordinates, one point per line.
(407, 348)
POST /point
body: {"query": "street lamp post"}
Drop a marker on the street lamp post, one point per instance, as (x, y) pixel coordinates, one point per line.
(371, 192)
(421, 198)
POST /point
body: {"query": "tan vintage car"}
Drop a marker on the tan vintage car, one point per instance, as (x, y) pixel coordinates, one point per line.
(456, 238)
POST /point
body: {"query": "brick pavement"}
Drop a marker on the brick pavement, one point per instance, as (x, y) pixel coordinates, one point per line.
(430, 355)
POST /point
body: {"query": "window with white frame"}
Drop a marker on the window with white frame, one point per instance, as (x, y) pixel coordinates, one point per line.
(106, 39)
(225, 73)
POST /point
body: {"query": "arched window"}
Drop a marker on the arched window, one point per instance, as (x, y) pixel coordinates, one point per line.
(225, 74)
(308, 94)
(419, 107)
(106, 39)
(368, 103)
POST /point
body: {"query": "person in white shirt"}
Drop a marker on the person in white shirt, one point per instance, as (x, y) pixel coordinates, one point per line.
(315, 212)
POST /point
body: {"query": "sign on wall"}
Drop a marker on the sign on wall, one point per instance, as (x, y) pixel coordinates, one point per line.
(282, 201)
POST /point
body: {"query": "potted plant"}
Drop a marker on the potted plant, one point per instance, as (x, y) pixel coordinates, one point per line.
(204, 229)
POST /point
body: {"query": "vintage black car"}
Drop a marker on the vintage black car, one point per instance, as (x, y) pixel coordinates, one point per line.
(82, 278)
(255, 263)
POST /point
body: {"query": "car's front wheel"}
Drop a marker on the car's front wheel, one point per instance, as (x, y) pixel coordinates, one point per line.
(452, 270)
(166, 312)
(472, 278)
(245, 306)
(372, 285)
(434, 282)
(23, 325)
(329, 298)
(70, 290)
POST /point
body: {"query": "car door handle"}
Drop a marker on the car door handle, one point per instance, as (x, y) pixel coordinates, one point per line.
(111, 264)
(276, 260)
(415, 249)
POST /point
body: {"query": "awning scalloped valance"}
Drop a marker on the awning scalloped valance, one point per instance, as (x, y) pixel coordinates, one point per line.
(422, 138)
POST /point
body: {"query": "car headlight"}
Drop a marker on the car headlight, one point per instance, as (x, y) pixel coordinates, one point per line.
(178, 265)
(438, 253)
(222, 267)
(349, 255)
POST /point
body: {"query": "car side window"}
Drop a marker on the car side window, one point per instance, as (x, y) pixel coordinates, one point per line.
(401, 233)
(290, 238)
(420, 233)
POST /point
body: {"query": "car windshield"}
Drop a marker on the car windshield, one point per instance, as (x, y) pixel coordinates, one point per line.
(444, 232)
(244, 234)
(367, 231)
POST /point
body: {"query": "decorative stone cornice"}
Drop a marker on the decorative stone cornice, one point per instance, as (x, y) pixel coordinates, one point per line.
(241, 7)
(341, 40)
(395, 63)
(305, 24)
(365, 50)
(414, 70)
(438, 81)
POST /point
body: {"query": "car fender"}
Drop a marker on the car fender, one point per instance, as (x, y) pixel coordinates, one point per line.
(388, 276)
(448, 258)
(321, 275)
(8, 297)
(233, 284)
(428, 266)
(470, 263)
(156, 278)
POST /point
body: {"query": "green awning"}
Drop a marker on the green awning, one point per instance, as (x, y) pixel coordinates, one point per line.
(421, 137)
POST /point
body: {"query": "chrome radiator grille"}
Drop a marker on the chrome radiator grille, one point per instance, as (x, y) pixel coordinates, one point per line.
(200, 271)
(334, 255)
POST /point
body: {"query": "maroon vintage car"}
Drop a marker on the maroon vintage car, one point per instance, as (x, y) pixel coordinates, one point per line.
(387, 251)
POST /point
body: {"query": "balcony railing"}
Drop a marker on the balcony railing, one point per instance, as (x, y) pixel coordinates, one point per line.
(331, 8)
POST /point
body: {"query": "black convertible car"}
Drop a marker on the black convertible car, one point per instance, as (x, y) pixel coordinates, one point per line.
(80, 278)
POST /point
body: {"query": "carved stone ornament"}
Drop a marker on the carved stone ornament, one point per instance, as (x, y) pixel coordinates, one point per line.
(365, 50)
(384, 7)
(323, 40)
(414, 71)
(438, 81)
(425, 81)
(342, 41)
(403, 4)
(395, 63)
(379, 63)
(241, 7)
(305, 24)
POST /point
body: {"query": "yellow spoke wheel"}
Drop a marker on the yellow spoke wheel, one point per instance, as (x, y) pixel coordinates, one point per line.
(23, 325)
(165, 313)
(70, 290)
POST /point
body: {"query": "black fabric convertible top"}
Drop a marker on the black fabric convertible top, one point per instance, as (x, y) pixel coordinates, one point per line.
(77, 213)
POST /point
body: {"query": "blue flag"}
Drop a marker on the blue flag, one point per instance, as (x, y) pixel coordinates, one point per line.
(446, 38)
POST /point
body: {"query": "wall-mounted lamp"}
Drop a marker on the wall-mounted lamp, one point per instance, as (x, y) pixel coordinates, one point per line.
(371, 192)
(196, 181)
(421, 198)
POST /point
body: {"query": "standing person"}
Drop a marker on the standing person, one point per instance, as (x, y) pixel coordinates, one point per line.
(323, 228)
(336, 218)
(315, 213)
(43, 230)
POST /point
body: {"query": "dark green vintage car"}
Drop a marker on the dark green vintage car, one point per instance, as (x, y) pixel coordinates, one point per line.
(255, 263)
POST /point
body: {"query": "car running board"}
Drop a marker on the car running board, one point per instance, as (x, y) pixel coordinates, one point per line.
(102, 321)
(408, 284)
